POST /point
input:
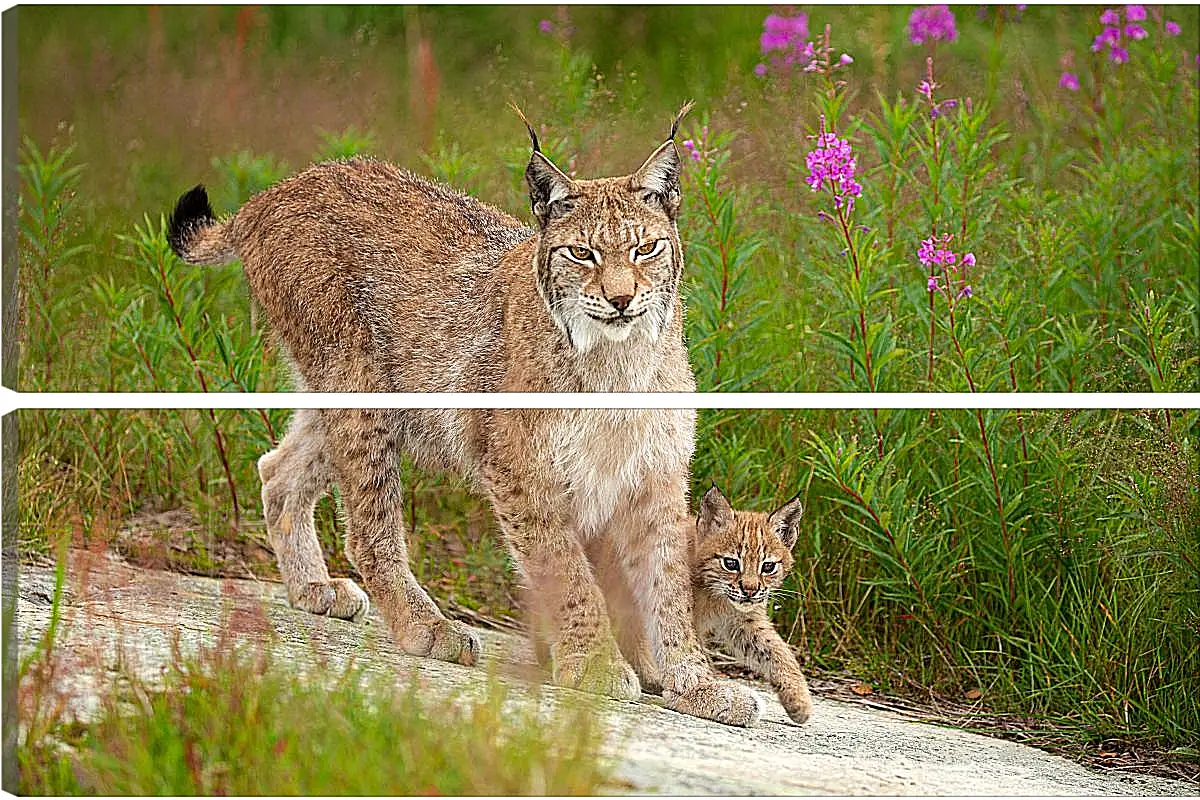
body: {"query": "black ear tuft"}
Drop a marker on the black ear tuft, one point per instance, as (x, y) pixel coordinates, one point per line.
(683, 112)
(532, 135)
(785, 521)
(191, 212)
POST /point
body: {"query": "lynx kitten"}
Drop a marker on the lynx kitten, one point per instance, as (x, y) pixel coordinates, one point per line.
(738, 558)
(376, 280)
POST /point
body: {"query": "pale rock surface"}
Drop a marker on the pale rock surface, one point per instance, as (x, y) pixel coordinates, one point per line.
(112, 607)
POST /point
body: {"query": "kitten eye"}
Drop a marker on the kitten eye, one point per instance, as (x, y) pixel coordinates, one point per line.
(769, 567)
(731, 564)
(649, 248)
(578, 253)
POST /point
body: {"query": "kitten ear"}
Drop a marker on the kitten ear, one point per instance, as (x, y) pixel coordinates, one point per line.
(658, 178)
(548, 187)
(785, 521)
(715, 512)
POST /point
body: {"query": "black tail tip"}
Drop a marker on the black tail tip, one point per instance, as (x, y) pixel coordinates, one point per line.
(191, 212)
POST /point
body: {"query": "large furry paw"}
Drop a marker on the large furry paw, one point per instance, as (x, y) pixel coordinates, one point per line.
(444, 640)
(598, 673)
(686, 675)
(340, 598)
(721, 701)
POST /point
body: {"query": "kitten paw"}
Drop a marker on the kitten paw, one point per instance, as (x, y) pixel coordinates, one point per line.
(720, 701)
(339, 598)
(597, 673)
(795, 698)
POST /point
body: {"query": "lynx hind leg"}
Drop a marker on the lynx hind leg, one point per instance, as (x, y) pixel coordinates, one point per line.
(721, 701)
(364, 450)
(294, 476)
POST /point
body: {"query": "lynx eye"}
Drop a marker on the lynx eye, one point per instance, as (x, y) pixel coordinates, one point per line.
(649, 249)
(731, 564)
(769, 567)
(580, 254)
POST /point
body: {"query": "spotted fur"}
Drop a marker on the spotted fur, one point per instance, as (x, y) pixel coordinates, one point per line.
(374, 279)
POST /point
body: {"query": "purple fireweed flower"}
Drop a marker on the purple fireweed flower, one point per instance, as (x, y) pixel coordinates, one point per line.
(546, 26)
(1109, 37)
(784, 39)
(1110, 17)
(694, 152)
(926, 88)
(831, 165)
(933, 23)
(1069, 81)
(1172, 28)
(846, 59)
(1135, 31)
(760, 70)
(1118, 54)
(936, 255)
(1135, 13)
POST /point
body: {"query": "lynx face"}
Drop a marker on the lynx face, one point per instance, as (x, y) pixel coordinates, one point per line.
(741, 556)
(609, 258)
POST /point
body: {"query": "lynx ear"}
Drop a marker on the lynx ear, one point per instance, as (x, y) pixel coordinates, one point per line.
(785, 521)
(715, 512)
(658, 179)
(549, 187)
(547, 183)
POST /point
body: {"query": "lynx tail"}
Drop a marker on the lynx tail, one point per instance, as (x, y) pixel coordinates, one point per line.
(194, 233)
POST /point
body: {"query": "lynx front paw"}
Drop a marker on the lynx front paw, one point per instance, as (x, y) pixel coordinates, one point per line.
(340, 598)
(444, 640)
(686, 675)
(721, 701)
(599, 674)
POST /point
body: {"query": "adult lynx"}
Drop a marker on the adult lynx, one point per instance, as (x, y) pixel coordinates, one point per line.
(376, 280)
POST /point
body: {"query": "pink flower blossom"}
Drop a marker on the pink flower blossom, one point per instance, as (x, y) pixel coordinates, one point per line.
(831, 165)
(1135, 13)
(1134, 31)
(933, 23)
(1069, 81)
(1172, 28)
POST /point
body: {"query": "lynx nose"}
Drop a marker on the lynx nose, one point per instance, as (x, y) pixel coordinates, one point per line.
(621, 302)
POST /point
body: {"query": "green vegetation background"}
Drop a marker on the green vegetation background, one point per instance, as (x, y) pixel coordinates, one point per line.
(1047, 560)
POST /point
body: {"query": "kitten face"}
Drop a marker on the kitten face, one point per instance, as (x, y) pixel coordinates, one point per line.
(740, 556)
